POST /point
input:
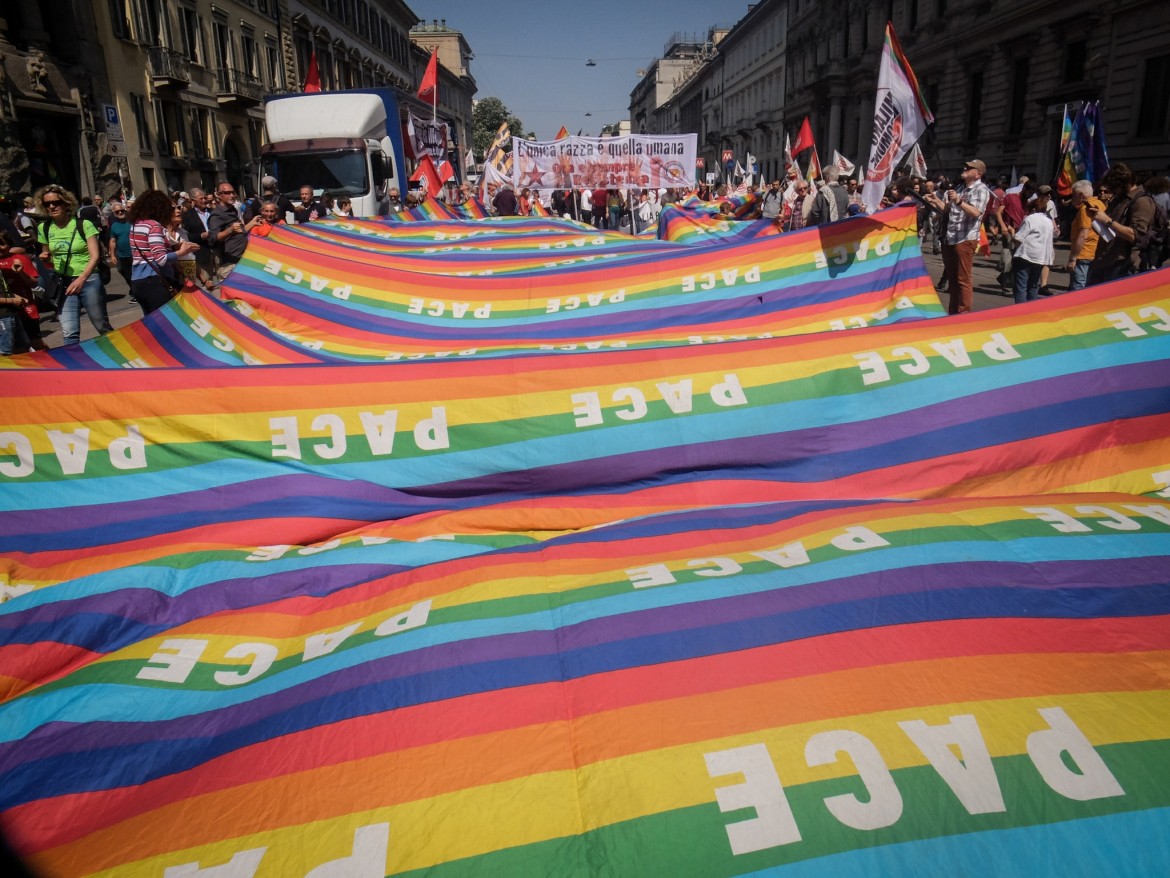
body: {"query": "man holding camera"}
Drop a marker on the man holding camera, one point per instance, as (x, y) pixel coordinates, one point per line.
(964, 208)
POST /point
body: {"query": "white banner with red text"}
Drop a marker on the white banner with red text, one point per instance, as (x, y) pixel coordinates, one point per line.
(635, 161)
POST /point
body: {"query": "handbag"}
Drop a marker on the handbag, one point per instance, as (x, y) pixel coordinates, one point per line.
(57, 291)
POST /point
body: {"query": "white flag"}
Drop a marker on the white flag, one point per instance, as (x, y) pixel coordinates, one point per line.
(843, 163)
(738, 169)
(789, 161)
(900, 118)
(917, 162)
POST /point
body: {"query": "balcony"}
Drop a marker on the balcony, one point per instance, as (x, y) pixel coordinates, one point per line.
(168, 68)
(237, 87)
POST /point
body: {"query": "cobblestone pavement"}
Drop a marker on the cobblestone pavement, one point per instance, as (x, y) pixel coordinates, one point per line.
(987, 293)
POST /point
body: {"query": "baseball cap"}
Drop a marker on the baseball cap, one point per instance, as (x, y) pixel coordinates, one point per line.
(977, 165)
(1044, 190)
(268, 182)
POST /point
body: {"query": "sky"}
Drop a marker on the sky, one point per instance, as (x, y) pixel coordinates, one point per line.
(532, 54)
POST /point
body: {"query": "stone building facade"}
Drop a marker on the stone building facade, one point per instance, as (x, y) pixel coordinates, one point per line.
(108, 96)
(997, 74)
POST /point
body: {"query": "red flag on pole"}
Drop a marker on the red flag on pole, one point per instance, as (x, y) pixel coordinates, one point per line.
(313, 77)
(804, 138)
(562, 134)
(428, 88)
(427, 176)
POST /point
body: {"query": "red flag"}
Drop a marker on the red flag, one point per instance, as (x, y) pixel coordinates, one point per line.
(428, 88)
(804, 138)
(562, 134)
(427, 176)
(313, 79)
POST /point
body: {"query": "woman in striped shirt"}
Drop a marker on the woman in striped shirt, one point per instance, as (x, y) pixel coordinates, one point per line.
(152, 272)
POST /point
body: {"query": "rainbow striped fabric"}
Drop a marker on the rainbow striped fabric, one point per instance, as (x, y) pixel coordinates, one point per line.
(363, 291)
(893, 601)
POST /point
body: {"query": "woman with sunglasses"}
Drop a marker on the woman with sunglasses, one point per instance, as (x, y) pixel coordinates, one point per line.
(69, 247)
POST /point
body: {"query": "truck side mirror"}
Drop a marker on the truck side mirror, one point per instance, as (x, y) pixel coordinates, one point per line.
(378, 169)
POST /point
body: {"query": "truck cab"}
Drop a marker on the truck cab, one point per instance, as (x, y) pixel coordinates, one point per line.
(341, 143)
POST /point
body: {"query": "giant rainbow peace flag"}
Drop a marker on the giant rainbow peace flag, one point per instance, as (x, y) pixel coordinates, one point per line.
(306, 584)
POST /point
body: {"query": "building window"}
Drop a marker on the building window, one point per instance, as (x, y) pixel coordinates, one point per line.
(197, 119)
(162, 143)
(1019, 96)
(189, 32)
(1154, 108)
(275, 69)
(248, 52)
(154, 25)
(223, 44)
(974, 105)
(363, 19)
(1076, 56)
(212, 145)
(141, 125)
(120, 18)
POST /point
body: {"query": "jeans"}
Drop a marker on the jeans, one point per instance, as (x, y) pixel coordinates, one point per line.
(1079, 278)
(93, 299)
(12, 336)
(1026, 279)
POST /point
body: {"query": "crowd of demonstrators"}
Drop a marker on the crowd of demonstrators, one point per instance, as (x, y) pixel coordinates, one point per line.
(155, 241)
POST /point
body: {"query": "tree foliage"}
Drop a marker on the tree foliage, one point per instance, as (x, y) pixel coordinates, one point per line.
(486, 119)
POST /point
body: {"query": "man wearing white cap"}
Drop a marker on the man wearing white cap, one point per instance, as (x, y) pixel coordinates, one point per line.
(964, 208)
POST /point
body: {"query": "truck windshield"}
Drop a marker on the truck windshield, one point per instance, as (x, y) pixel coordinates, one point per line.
(338, 172)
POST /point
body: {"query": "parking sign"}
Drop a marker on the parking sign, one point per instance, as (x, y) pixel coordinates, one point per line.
(113, 124)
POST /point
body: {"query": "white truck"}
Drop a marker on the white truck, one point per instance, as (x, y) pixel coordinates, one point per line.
(341, 143)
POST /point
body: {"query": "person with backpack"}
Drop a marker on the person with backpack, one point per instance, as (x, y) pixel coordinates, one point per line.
(69, 249)
(1126, 227)
(1156, 251)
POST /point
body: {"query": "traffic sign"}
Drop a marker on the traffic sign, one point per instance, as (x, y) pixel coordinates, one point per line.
(113, 124)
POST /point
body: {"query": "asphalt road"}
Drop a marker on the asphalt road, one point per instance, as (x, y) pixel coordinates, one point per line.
(122, 311)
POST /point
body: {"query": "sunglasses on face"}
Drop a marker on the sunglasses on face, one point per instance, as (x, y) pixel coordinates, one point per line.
(56, 202)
